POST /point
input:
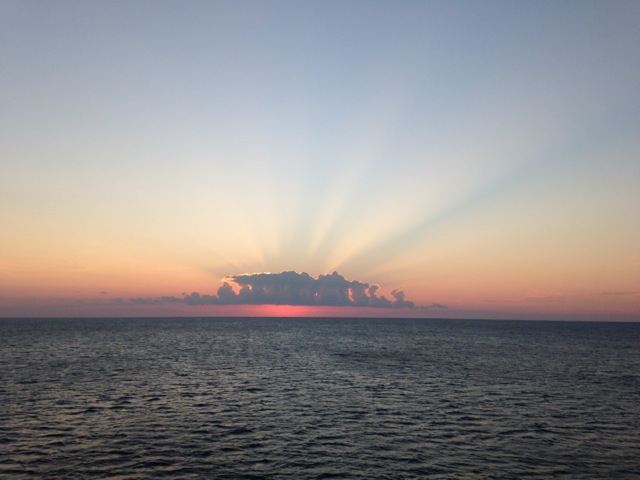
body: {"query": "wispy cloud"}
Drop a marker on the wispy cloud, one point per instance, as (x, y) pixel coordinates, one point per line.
(290, 288)
(437, 305)
(621, 293)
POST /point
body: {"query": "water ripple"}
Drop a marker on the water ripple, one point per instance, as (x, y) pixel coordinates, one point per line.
(300, 398)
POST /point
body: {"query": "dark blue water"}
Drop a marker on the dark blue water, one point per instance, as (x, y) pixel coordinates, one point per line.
(318, 398)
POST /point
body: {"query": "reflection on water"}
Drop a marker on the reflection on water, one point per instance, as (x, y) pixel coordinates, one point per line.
(311, 398)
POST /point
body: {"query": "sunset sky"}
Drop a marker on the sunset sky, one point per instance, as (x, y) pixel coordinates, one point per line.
(480, 157)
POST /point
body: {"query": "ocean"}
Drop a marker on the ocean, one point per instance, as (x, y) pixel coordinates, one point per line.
(263, 398)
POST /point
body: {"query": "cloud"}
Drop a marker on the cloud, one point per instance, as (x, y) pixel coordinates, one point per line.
(438, 305)
(158, 300)
(434, 305)
(621, 293)
(290, 288)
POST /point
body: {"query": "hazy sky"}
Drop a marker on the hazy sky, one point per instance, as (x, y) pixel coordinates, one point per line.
(482, 156)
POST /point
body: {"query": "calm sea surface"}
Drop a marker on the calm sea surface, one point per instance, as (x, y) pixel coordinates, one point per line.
(318, 398)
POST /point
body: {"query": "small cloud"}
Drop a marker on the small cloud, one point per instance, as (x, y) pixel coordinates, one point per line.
(438, 305)
(621, 293)
(145, 301)
(433, 305)
(104, 292)
(290, 288)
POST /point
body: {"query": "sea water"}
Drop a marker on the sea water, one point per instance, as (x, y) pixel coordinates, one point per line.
(318, 398)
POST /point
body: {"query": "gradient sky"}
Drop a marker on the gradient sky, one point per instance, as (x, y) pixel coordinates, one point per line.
(480, 155)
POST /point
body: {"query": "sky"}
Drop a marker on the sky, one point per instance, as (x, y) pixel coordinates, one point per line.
(458, 159)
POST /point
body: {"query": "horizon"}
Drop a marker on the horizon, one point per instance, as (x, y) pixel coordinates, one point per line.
(293, 312)
(427, 319)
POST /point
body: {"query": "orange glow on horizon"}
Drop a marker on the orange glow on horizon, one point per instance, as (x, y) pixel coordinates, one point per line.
(282, 310)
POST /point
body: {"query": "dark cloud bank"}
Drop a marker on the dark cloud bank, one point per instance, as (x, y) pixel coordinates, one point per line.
(291, 288)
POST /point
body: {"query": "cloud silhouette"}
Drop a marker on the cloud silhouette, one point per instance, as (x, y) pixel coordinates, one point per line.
(291, 288)
(438, 305)
(621, 293)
